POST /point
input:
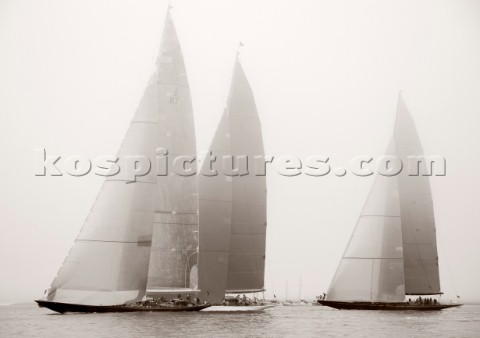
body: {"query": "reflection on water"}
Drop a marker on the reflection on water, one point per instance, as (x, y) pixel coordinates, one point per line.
(30, 321)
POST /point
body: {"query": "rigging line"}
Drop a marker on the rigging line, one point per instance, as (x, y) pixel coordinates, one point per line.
(444, 251)
(271, 279)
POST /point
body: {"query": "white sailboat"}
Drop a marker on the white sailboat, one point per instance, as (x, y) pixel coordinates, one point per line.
(392, 252)
(244, 243)
(287, 301)
(298, 301)
(302, 300)
(140, 237)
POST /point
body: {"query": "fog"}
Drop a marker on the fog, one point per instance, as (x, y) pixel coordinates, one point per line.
(325, 75)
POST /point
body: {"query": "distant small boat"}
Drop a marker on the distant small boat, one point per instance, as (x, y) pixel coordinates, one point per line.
(392, 252)
(289, 302)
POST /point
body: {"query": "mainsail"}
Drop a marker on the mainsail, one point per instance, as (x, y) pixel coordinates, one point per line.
(174, 255)
(246, 260)
(215, 215)
(392, 251)
(418, 221)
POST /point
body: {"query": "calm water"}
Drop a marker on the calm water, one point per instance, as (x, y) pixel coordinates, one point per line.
(281, 321)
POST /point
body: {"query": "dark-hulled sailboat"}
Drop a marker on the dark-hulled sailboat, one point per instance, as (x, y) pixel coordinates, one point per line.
(141, 236)
(392, 253)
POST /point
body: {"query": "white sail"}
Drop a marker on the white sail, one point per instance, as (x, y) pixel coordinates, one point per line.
(108, 263)
(215, 214)
(371, 268)
(173, 259)
(246, 260)
(418, 222)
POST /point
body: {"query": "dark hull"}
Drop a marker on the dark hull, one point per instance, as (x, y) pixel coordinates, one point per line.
(385, 306)
(64, 307)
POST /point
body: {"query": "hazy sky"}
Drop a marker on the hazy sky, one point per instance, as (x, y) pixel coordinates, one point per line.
(325, 75)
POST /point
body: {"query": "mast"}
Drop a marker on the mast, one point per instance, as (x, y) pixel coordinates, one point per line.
(246, 260)
(174, 255)
(286, 290)
(418, 221)
(300, 289)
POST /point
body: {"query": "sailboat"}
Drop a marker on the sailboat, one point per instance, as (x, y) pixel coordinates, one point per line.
(302, 300)
(392, 253)
(141, 237)
(287, 301)
(299, 300)
(244, 195)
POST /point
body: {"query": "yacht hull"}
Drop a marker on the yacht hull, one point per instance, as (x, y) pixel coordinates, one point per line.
(237, 308)
(65, 307)
(385, 306)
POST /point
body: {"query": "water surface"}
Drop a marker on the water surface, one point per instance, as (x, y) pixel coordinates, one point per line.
(27, 320)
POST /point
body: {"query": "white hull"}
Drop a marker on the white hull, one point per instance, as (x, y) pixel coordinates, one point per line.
(239, 308)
